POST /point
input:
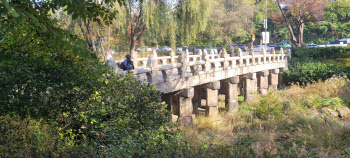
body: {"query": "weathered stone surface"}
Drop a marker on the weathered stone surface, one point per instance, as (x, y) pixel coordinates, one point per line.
(186, 107)
(214, 85)
(234, 80)
(211, 110)
(212, 97)
(331, 112)
(343, 112)
(185, 121)
(232, 105)
(188, 93)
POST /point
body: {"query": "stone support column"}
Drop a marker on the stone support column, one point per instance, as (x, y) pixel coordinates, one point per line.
(281, 83)
(195, 101)
(185, 107)
(273, 79)
(249, 87)
(212, 98)
(263, 82)
(231, 96)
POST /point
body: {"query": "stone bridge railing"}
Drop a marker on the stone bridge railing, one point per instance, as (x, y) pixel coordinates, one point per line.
(184, 78)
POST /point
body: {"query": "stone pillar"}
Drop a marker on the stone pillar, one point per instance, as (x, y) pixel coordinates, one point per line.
(152, 63)
(249, 87)
(195, 101)
(212, 98)
(231, 96)
(183, 60)
(185, 107)
(281, 83)
(263, 82)
(273, 79)
(134, 56)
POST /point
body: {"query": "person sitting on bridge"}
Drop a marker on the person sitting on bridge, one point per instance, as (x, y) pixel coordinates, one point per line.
(127, 64)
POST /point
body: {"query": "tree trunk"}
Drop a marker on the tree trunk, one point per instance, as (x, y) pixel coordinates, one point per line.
(88, 26)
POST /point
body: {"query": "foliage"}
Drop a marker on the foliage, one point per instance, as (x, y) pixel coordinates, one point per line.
(269, 108)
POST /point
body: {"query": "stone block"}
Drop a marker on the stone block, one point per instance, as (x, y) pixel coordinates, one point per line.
(252, 76)
(211, 111)
(264, 73)
(185, 121)
(186, 107)
(275, 71)
(213, 85)
(232, 105)
(188, 93)
(234, 80)
(212, 97)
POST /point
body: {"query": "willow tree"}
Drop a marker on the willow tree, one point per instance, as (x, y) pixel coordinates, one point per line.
(192, 19)
(230, 19)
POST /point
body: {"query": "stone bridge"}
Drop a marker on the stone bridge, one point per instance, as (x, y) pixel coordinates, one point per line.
(187, 79)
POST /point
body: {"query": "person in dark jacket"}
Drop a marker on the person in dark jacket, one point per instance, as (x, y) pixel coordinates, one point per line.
(127, 64)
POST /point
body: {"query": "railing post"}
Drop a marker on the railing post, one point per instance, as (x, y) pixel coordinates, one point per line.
(282, 55)
(225, 56)
(134, 56)
(152, 63)
(172, 57)
(183, 60)
(212, 54)
(263, 51)
(205, 57)
(187, 56)
(273, 52)
(200, 55)
(252, 53)
(240, 54)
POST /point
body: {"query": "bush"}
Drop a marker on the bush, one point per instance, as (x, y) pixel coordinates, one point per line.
(309, 70)
(269, 108)
(324, 53)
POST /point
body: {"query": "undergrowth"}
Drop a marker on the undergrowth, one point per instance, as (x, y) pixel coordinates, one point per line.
(287, 123)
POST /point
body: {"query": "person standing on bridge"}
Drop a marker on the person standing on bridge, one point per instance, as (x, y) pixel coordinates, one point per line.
(128, 64)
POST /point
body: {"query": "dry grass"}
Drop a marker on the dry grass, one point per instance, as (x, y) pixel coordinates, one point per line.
(302, 131)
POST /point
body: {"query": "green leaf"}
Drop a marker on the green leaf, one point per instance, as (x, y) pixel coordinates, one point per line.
(15, 14)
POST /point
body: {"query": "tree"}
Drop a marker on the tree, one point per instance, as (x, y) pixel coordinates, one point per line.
(295, 13)
(338, 11)
(192, 19)
(230, 19)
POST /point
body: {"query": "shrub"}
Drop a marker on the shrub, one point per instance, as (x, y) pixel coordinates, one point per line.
(269, 107)
(324, 53)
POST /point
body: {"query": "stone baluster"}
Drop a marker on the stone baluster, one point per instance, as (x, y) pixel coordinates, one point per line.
(263, 83)
(206, 65)
(183, 60)
(172, 57)
(249, 86)
(194, 70)
(152, 63)
(281, 58)
(163, 61)
(240, 54)
(225, 63)
(273, 52)
(273, 79)
(252, 53)
(263, 52)
(231, 94)
(135, 61)
(212, 54)
(111, 62)
(200, 55)
(212, 98)
(167, 75)
(187, 56)
(186, 108)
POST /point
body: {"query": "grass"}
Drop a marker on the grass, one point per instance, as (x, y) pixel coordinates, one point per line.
(297, 128)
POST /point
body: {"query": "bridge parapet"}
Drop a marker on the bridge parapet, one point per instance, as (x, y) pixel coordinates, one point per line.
(171, 69)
